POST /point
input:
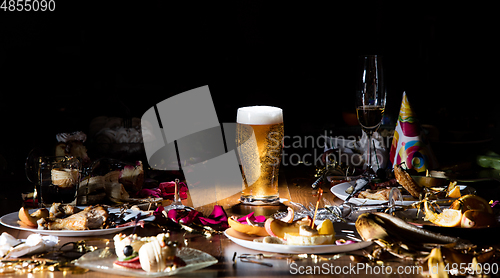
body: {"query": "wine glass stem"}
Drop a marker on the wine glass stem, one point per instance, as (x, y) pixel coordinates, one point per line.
(369, 151)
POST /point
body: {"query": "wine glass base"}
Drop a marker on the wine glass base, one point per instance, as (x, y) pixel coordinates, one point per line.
(259, 201)
(174, 205)
(266, 210)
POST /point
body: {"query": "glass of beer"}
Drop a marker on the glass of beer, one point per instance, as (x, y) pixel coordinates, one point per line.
(59, 178)
(259, 139)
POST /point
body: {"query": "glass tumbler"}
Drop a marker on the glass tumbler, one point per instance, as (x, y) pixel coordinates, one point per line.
(59, 179)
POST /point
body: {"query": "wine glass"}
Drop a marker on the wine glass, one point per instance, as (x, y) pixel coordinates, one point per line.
(370, 98)
(176, 204)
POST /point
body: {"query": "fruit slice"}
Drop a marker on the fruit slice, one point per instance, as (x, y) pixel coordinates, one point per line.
(454, 192)
(468, 202)
(278, 228)
(477, 219)
(326, 228)
(289, 217)
(447, 218)
(31, 220)
(246, 228)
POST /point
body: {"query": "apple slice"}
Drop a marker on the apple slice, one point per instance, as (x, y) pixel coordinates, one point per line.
(31, 220)
(289, 217)
(247, 228)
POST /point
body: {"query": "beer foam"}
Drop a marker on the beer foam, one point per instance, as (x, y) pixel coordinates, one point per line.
(259, 115)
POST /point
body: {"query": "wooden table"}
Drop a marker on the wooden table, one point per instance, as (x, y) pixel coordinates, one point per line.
(293, 188)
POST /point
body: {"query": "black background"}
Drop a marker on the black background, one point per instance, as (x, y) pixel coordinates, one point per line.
(61, 69)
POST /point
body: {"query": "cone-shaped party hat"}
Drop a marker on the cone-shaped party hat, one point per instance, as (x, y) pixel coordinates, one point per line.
(408, 145)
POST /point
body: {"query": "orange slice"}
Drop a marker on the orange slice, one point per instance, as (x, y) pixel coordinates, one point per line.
(468, 202)
(447, 218)
(31, 219)
(454, 192)
(247, 229)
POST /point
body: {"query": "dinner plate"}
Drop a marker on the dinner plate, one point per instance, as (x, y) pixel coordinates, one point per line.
(11, 220)
(102, 260)
(339, 191)
(247, 241)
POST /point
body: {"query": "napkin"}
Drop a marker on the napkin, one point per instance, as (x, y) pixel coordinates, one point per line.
(10, 247)
(408, 144)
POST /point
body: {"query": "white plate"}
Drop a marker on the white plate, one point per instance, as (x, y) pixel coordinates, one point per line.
(102, 260)
(11, 220)
(339, 191)
(247, 241)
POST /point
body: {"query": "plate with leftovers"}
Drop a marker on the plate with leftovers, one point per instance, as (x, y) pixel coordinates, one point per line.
(103, 260)
(375, 197)
(255, 243)
(93, 213)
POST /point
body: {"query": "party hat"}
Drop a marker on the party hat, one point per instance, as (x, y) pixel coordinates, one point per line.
(407, 144)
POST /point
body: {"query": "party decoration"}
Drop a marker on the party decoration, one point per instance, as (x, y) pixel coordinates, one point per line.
(408, 145)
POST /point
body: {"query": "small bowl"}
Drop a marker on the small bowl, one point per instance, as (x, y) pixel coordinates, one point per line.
(430, 181)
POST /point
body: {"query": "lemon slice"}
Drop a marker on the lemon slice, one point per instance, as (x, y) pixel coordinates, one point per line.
(326, 228)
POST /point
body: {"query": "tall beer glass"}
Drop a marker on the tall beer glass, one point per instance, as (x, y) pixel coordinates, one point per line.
(259, 136)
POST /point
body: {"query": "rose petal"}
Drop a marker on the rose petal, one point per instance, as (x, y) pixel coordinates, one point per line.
(167, 187)
(158, 211)
(218, 213)
(253, 218)
(173, 215)
(167, 190)
(217, 217)
(189, 218)
(208, 221)
(148, 192)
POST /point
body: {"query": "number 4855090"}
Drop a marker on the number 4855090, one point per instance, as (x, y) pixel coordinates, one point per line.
(28, 5)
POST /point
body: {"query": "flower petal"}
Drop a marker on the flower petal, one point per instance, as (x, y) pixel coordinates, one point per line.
(253, 218)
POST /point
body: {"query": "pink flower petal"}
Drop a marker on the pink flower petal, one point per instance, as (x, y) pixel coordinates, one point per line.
(217, 217)
(158, 211)
(173, 215)
(149, 192)
(252, 217)
(189, 218)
